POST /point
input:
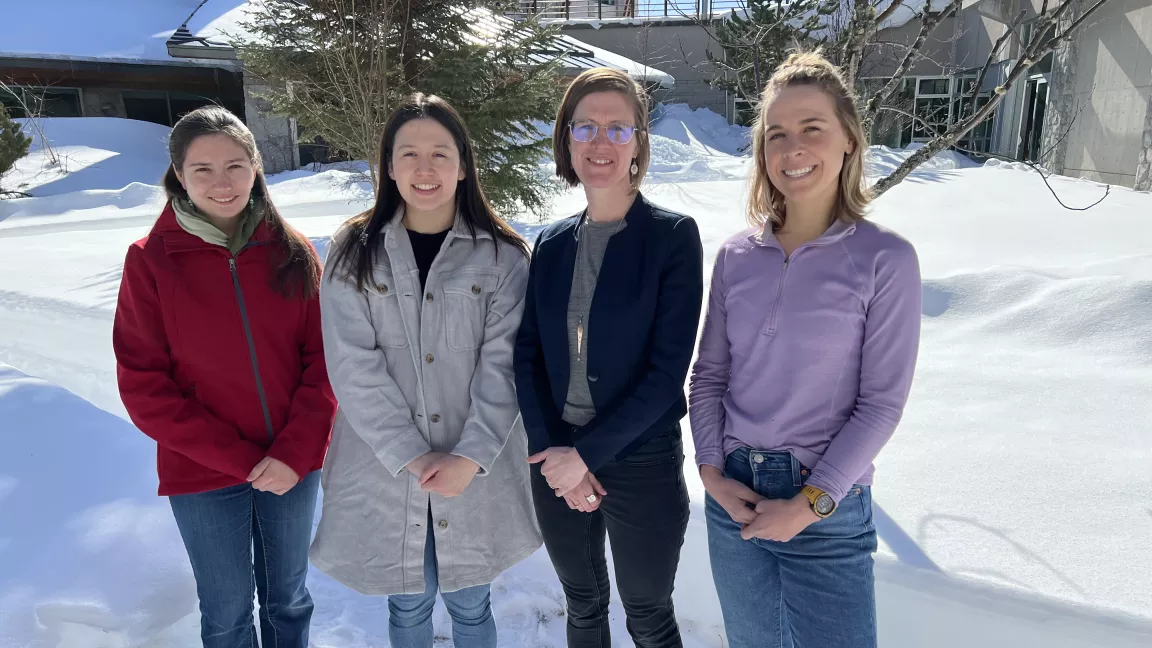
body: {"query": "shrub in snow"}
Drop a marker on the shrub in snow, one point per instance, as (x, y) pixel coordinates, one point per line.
(13, 142)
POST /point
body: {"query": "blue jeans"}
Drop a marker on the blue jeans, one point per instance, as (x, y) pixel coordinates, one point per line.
(814, 591)
(410, 615)
(244, 542)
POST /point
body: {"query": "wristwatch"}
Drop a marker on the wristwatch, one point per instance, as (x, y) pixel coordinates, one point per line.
(822, 503)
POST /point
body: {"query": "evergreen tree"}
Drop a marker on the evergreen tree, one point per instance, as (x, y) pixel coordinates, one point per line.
(756, 39)
(13, 143)
(338, 66)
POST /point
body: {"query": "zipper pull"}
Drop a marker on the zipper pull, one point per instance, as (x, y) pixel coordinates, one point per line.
(232, 264)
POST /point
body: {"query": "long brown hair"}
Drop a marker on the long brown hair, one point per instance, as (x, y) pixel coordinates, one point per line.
(600, 80)
(765, 202)
(296, 270)
(355, 252)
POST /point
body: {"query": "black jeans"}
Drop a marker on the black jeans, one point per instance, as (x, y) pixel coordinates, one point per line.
(645, 516)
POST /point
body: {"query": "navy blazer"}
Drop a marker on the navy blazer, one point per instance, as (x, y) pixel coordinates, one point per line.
(642, 327)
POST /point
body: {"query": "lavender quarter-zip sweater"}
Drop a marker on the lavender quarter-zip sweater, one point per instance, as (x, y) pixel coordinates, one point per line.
(811, 354)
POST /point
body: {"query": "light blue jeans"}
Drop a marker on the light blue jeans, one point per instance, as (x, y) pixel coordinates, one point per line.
(410, 615)
(814, 591)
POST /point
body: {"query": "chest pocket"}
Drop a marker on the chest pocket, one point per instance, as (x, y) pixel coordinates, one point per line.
(384, 303)
(466, 297)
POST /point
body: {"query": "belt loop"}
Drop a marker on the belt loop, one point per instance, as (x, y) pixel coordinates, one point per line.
(796, 468)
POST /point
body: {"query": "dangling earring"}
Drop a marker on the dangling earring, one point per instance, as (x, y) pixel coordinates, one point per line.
(635, 169)
(251, 203)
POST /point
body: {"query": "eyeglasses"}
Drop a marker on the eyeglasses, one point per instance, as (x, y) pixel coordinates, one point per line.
(585, 131)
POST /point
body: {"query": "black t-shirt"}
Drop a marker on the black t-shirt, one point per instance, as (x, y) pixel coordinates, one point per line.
(426, 247)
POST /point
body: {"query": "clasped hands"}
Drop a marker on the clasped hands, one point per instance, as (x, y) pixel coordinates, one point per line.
(442, 473)
(759, 517)
(273, 476)
(569, 477)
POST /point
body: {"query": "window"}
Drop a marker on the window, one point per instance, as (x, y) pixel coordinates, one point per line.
(937, 102)
(12, 104)
(164, 108)
(43, 102)
(744, 112)
(979, 139)
(933, 105)
(933, 86)
(1027, 31)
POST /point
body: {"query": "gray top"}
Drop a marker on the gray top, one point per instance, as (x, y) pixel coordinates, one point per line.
(578, 407)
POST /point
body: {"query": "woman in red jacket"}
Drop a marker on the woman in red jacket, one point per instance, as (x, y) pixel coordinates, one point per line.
(219, 359)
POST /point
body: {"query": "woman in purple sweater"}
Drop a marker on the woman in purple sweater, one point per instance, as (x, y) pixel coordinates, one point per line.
(805, 363)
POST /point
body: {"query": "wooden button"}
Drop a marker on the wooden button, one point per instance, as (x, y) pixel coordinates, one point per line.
(429, 358)
(382, 288)
(435, 418)
(475, 290)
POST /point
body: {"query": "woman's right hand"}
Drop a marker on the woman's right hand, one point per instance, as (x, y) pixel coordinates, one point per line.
(577, 498)
(736, 498)
(419, 464)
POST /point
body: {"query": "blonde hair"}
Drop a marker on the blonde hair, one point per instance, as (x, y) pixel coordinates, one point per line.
(765, 202)
(588, 82)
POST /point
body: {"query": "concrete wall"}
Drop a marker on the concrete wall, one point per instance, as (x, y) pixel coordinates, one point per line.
(1110, 85)
(881, 60)
(275, 135)
(677, 47)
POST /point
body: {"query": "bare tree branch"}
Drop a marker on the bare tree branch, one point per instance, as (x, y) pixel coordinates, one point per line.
(928, 23)
(887, 13)
(1008, 33)
(1031, 56)
(1043, 176)
(1006, 158)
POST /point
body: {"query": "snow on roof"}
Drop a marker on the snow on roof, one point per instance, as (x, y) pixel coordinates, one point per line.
(575, 54)
(132, 31)
(138, 32)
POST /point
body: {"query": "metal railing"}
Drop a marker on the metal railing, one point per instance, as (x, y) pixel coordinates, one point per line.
(608, 9)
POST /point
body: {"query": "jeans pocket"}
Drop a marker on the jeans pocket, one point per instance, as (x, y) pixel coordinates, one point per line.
(665, 448)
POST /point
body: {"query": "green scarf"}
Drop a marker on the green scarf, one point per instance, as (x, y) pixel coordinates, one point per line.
(198, 225)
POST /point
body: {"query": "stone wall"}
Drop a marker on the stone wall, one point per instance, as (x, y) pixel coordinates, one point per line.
(275, 134)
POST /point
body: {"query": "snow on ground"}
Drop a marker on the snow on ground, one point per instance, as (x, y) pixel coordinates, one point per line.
(1004, 502)
(76, 154)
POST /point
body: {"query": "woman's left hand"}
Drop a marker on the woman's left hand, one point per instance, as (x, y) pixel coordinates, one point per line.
(273, 476)
(780, 520)
(448, 475)
(563, 468)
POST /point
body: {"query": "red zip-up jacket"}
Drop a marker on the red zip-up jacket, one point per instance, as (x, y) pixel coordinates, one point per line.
(214, 364)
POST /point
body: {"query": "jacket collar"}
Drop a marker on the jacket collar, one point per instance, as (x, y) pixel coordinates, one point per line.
(635, 215)
(176, 239)
(459, 228)
(838, 231)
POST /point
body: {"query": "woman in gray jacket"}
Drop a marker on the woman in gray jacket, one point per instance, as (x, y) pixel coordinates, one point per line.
(426, 481)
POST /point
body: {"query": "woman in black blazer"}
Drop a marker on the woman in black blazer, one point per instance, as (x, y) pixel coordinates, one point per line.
(610, 320)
